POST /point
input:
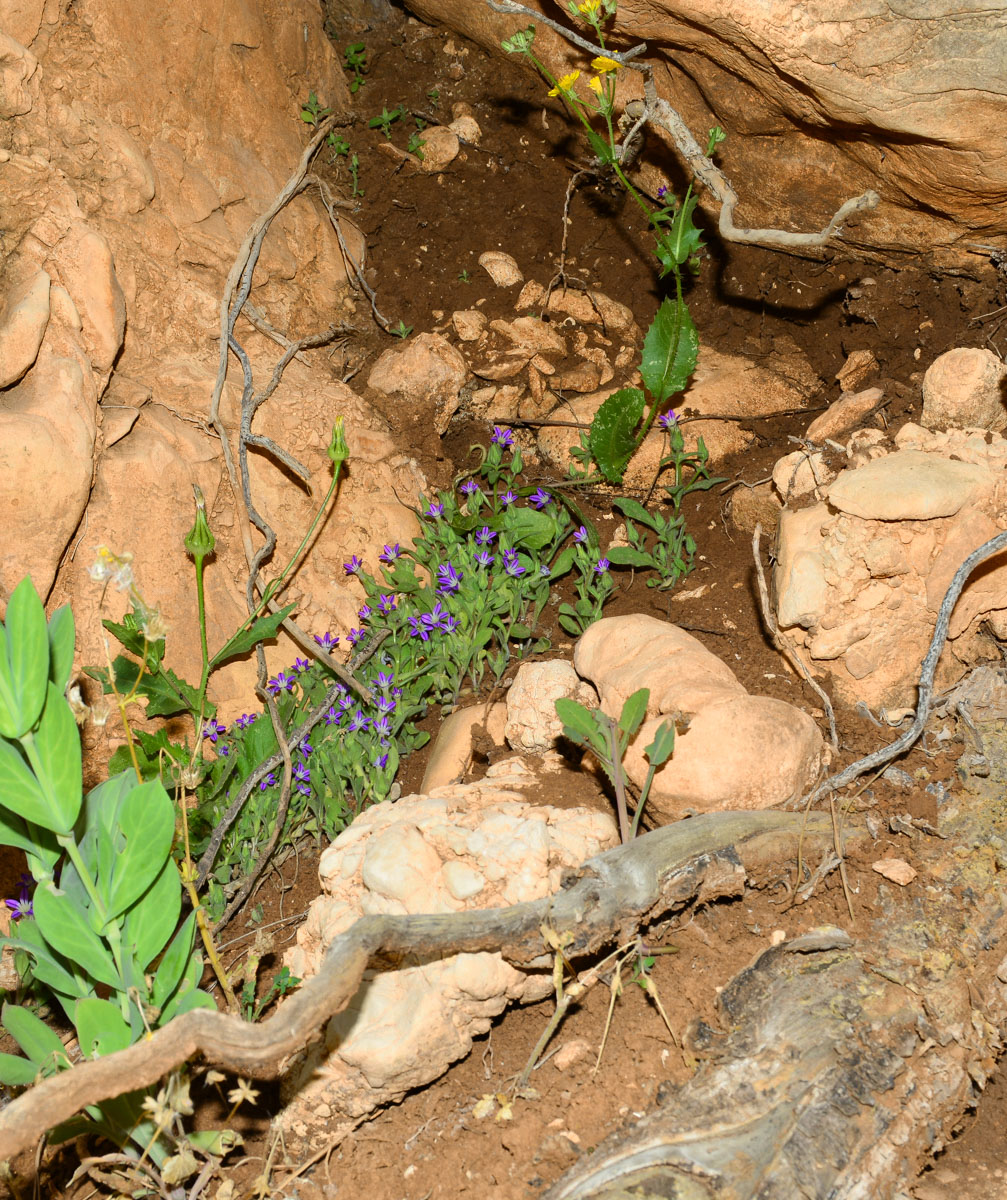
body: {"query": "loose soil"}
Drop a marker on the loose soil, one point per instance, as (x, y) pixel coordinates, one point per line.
(613, 1057)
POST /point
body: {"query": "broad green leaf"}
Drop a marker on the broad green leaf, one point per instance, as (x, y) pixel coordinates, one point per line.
(661, 748)
(58, 770)
(519, 633)
(626, 556)
(262, 629)
(633, 711)
(129, 634)
(15, 832)
(100, 1027)
(45, 965)
(147, 822)
(528, 529)
(670, 350)
(166, 694)
(171, 969)
(21, 792)
(564, 561)
(24, 661)
(613, 432)
(634, 509)
(152, 919)
(577, 720)
(217, 1142)
(17, 1072)
(35, 1038)
(61, 643)
(68, 932)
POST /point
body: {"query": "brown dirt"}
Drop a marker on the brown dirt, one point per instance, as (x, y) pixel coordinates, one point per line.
(422, 232)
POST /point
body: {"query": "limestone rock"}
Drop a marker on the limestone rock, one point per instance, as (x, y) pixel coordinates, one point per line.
(909, 485)
(501, 268)
(428, 368)
(469, 846)
(440, 147)
(532, 723)
(732, 750)
(849, 411)
(23, 319)
(84, 261)
(859, 365)
(466, 129)
(751, 506)
(965, 388)
(451, 755)
(469, 324)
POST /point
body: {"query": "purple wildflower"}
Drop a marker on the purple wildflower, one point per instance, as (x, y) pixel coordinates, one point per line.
(418, 629)
(662, 191)
(512, 565)
(434, 509)
(384, 704)
(281, 682)
(305, 747)
(545, 570)
(327, 641)
(502, 437)
(390, 553)
(22, 906)
(381, 726)
(484, 558)
(432, 620)
(302, 777)
(300, 664)
(358, 721)
(365, 612)
(245, 720)
(450, 624)
(469, 487)
(508, 498)
(355, 636)
(268, 782)
(332, 717)
(223, 749)
(381, 762)
(448, 578)
(601, 566)
(353, 566)
(485, 536)
(668, 419)
(580, 535)
(384, 679)
(213, 729)
(540, 498)
(386, 603)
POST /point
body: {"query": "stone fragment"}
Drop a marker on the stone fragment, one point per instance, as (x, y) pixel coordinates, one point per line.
(466, 129)
(801, 472)
(759, 505)
(909, 485)
(501, 268)
(849, 411)
(451, 756)
(895, 869)
(532, 723)
(469, 324)
(23, 320)
(87, 271)
(965, 389)
(440, 147)
(428, 368)
(858, 366)
(18, 67)
(802, 589)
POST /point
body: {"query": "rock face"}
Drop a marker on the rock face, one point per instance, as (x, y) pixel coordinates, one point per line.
(470, 846)
(732, 750)
(848, 94)
(140, 143)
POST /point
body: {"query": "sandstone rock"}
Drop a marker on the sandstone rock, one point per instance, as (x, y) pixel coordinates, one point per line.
(17, 69)
(469, 846)
(466, 129)
(965, 388)
(501, 268)
(23, 319)
(732, 750)
(440, 147)
(469, 324)
(586, 308)
(801, 472)
(532, 723)
(751, 506)
(909, 486)
(84, 262)
(428, 368)
(849, 411)
(451, 755)
(858, 366)
(802, 588)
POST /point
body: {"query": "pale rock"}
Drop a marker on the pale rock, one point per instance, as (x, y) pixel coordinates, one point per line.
(532, 723)
(909, 485)
(584, 376)
(466, 129)
(801, 472)
(858, 366)
(758, 505)
(476, 846)
(18, 78)
(531, 336)
(451, 756)
(849, 411)
(897, 870)
(440, 147)
(21, 19)
(865, 445)
(427, 369)
(801, 587)
(83, 260)
(571, 1051)
(501, 268)
(732, 750)
(585, 308)
(23, 320)
(965, 388)
(986, 590)
(469, 324)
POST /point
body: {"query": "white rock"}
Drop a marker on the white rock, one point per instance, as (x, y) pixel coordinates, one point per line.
(501, 268)
(532, 723)
(909, 486)
(964, 389)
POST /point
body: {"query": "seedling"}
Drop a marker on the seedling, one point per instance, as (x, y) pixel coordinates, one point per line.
(355, 60)
(607, 740)
(385, 119)
(434, 97)
(312, 111)
(341, 149)
(464, 276)
(416, 145)
(402, 330)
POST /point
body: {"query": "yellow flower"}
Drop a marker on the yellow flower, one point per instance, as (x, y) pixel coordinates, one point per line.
(589, 7)
(604, 64)
(565, 84)
(595, 84)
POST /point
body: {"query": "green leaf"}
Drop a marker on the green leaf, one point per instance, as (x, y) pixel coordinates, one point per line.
(634, 509)
(147, 822)
(564, 561)
(152, 919)
(633, 711)
(100, 1027)
(21, 792)
(172, 967)
(35, 1038)
(217, 1142)
(613, 432)
(166, 694)
(15, 832)
(670, 350)
(626, 556)
(17, 1072)
(58, 769)
(24, 661)
(61, 643)
(262, 629)
(519, 633)
(579, 723)
(69, 933)
(45, 965)
(528, 528)
(130, 635)
(660, 749)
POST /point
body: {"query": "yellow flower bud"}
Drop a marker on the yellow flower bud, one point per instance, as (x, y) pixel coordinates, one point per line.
(595, 84)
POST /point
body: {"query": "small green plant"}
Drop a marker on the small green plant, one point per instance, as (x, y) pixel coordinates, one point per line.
(416, 145)
(341, 149)
(386, 119)
(671, 549)
(434, 97)
(282, 985)
(401, 330)
(101, 932)
(312, 112)
(671, 345)
(355, 60)
(607, 740)
(464, 276)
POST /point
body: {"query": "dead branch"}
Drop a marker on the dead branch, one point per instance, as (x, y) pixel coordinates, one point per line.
(691, 862)
(659, 113)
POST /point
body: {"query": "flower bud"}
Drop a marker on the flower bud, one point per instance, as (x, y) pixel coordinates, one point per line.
(199, 541)
(339, 452)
